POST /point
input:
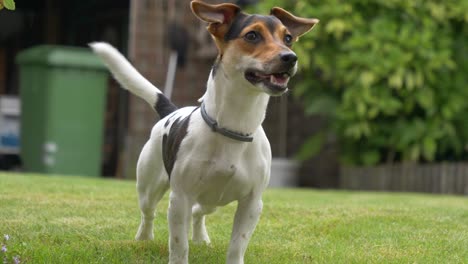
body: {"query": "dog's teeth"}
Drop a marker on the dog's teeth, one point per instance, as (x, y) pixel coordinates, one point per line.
(273, 80)
(279, 79)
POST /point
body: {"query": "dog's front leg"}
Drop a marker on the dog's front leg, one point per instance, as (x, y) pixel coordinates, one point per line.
(200, 235)
(246, 218)
(179, 220)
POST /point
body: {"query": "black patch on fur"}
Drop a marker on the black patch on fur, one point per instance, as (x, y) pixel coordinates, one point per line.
(169, 119)
(271, 22)
(242, 20)
(171, 142)
(164, 106)
(167, 122)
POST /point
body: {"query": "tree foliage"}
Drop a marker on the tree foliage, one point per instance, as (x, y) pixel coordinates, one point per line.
(8, 4)
(392, 75)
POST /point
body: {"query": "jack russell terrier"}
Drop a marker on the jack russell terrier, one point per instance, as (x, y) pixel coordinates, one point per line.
(212, 155)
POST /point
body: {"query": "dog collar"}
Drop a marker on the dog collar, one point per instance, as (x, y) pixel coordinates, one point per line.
(223, 131)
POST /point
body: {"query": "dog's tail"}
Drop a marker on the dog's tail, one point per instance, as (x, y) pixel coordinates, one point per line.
(131, 79)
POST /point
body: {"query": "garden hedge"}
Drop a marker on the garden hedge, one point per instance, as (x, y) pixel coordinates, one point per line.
(391, 75)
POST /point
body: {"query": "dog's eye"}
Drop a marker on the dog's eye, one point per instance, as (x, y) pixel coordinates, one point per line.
(252, 36)
(288, 39)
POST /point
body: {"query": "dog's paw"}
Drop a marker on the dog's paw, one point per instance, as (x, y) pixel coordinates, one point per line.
(144, 236)
(145, 231)
(201, 240)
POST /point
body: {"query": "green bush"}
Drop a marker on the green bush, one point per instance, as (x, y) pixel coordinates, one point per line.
(392, 75)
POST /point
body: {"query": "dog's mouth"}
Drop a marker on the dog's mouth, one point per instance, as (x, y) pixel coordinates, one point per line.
(275, 82)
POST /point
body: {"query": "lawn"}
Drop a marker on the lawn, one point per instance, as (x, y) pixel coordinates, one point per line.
(52, 219)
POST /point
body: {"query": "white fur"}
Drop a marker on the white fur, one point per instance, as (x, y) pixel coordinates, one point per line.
(211, 170)
(125, 73)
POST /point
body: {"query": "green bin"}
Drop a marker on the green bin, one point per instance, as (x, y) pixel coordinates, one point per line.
(63, 94)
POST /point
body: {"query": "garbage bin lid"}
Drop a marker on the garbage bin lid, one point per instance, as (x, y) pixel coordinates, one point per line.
(59, 56)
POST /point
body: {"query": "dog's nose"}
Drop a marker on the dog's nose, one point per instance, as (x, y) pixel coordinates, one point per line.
(288, 57)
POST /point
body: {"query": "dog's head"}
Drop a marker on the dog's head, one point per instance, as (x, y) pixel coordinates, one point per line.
(255, 49)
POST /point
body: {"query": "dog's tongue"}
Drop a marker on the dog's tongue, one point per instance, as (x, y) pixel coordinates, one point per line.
(279, 79)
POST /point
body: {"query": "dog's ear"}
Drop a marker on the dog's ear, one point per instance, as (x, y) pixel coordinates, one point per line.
(219, 16)
(297, 26)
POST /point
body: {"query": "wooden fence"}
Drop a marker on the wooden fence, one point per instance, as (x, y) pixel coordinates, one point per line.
(448, 178)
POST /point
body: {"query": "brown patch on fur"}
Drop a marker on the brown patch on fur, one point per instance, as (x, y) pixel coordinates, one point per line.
(218, 16)
(222, 18)
(265, 50)
(298, 26)
(218, 31)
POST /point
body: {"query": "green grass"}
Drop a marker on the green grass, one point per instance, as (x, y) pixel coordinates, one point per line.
(55, 219)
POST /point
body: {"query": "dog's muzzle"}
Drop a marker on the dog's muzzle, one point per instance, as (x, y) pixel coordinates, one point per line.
(277, 73)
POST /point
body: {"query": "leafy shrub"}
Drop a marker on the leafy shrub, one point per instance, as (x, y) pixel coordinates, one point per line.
(392, 75)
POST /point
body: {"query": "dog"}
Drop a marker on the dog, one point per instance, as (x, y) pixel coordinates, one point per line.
(217, 153)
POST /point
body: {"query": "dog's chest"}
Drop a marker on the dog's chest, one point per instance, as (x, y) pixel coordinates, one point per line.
(219, 174)
(217, 183)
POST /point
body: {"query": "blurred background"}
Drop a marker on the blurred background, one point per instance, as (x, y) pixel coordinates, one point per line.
(381, 102)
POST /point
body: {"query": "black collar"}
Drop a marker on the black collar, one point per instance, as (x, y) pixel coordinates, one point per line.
(223, 131)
